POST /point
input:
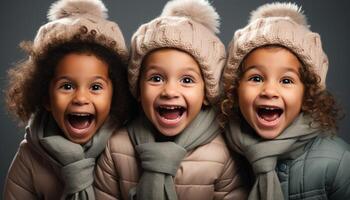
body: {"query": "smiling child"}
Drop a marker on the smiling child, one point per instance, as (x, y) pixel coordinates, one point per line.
(72, 91)
(280, 115)
(174, 149)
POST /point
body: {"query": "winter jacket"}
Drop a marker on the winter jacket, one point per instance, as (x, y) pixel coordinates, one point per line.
(32, 175)
(321, 172)
(208, 172)
(36, 174)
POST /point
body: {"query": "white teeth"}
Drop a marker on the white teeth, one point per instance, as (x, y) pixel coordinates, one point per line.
(269, 108)
(81, 114)
(170, 107)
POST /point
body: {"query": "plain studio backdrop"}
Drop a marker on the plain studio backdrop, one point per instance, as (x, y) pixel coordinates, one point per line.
(20, 20)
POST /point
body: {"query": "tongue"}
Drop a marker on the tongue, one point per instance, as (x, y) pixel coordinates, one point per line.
(79, 122)
(269, 115)
(170, 114)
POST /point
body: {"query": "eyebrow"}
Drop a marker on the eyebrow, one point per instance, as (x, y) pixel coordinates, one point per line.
(157, 67)
(288, 69)
(245, 69)
(92, 78)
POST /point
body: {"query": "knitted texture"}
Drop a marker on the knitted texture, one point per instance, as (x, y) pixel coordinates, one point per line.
(278, 24)
(84, 19)
(179, 27)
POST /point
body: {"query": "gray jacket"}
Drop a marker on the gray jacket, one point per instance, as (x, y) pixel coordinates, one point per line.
(321, 172)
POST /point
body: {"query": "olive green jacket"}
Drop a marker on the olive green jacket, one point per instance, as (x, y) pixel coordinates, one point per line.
(321, 172)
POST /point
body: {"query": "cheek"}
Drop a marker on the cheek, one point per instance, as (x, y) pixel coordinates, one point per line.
(196, 98)
(58, 102)
(295, 98)
(245, 96)
(147, 96)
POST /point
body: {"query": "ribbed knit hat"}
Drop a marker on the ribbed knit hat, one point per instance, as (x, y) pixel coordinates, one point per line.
(84, 19)
(187, 25)
(282, 24)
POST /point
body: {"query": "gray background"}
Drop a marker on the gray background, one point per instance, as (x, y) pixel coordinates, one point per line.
(20, 19)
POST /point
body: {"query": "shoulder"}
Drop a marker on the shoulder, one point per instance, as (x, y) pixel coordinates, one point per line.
(26, 153)
(22, 168)
(214, 151)
(331, 147)
(326, 161)
(120, 142)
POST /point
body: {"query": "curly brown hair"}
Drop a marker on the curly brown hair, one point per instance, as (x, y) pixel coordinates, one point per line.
(318, 102)
(28, 88)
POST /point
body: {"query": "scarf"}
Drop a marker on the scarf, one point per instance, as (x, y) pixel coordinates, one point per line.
(76, 161)
(160, 160)
(263, 154)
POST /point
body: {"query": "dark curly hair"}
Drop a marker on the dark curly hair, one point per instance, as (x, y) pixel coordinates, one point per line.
(28, 88)
(319, 103)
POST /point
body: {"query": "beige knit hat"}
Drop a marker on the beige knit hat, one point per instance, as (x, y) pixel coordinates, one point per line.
(188, 25)
(282, 24)
(84, 19)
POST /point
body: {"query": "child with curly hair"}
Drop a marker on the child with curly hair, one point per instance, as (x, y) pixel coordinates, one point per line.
(72, 91)
(280, 116)
(174, 149)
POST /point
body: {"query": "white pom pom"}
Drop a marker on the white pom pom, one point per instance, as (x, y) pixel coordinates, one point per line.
(67, 8)
(198, 10)
(278, 9)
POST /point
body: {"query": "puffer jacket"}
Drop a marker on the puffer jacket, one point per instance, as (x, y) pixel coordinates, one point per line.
(33, 174)
(208, 172)
(321, 172)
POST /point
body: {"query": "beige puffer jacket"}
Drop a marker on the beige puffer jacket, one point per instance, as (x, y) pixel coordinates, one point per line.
(207, 172)
(32, 176)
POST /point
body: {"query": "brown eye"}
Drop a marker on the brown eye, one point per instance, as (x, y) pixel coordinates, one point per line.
(96, 87)
(187, 80)
(156, 78)
(286, 81)
(66, 86)
(256, 79)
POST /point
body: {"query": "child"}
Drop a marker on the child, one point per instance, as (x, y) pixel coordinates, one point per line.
(72, 91)
(174, 148)
(275, 84)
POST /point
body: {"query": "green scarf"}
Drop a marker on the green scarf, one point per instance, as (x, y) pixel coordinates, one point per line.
(263, 154)
(76, 161)
(160, 160)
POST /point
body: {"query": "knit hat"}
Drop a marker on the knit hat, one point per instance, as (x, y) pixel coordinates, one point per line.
(282, 24)
(83, 19)
(187, 25)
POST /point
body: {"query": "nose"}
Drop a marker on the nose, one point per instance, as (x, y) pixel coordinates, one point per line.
(80, 97)
(170, 90)
(269, 90)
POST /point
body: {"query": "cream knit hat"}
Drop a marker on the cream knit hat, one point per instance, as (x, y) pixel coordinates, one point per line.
(188, 25)
(84, 19)
(282, 24)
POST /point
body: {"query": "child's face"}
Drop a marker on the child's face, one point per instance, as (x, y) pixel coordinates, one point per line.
(270, 91)
(80, 96)
(171, 90)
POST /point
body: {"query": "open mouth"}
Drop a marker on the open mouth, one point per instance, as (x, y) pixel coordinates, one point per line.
(79, 125)
(171, 112)
(80, 120)
(269, 113)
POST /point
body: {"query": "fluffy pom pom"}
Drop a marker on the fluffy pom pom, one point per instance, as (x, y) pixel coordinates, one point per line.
(67, 8)
(290, 10)
(198, 10)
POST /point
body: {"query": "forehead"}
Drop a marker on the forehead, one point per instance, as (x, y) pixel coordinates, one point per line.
(74, 64)
(272, 59)
(169, 59)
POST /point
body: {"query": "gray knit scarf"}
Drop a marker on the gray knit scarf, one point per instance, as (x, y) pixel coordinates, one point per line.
(263, 154)
(160, 160)
(76, 161)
